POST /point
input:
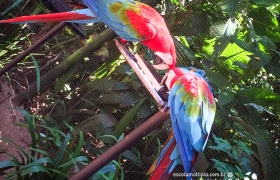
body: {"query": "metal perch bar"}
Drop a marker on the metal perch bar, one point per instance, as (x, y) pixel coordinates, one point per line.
(112, 153)
(62, 6)
(147, 72)
(139, 72)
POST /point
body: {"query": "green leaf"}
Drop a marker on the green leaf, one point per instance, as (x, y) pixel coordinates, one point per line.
(222, 144)
(79, 146)
(38, 76)
(31, 127)
(98, 123)
(260, 94)
(273, 67)
(58, 158)
(220, 45)
(9, 163)
(217, 79)
(264, 3)
(121, 137)
(265, 23)
(10, 8)
(260, 109)
(37, 162)
(109, 136)
(233, 6)
(183, 46)
(127, 119)
(258, 60)
(74, 161)
(233, 53)
(40, 151)
(267, 43)
(129, 155)
(53, 130)
(124, 69)
(223, 167)
(208, 45)
(34, 169)
(265, 148)
(225, 97)
(267, 158)
(242, 44)
(239, 64)
(224, 28)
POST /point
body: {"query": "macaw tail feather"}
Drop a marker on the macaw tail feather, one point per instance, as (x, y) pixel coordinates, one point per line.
(168, 159)
(79, 16)
(153, 166)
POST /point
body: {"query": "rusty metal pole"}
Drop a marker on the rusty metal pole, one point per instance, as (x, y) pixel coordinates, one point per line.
(25, 53)
(112, 153)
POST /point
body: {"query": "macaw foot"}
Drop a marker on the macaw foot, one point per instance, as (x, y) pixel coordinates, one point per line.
(126, 44)
(159, 63)
(162, 66)
(164, 107)
(123, 44)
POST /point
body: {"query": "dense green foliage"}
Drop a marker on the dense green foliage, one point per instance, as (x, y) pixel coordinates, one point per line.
(51, 155)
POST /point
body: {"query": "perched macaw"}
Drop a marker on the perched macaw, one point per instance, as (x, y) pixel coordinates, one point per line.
(192, 111)
(131, 20)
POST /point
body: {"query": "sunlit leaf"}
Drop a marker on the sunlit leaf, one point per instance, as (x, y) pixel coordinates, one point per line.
(234, 53)
(265, 23)
(260, 94)
(242, 44)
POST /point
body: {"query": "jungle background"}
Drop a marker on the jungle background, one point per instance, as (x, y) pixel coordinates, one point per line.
(89, 101)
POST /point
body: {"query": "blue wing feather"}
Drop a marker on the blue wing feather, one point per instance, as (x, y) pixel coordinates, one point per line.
(102, 11)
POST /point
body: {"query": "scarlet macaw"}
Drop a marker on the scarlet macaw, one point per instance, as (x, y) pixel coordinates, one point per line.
(192, 111)
(131, 20)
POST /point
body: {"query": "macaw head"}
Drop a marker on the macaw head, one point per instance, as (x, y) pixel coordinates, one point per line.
(168, 61)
